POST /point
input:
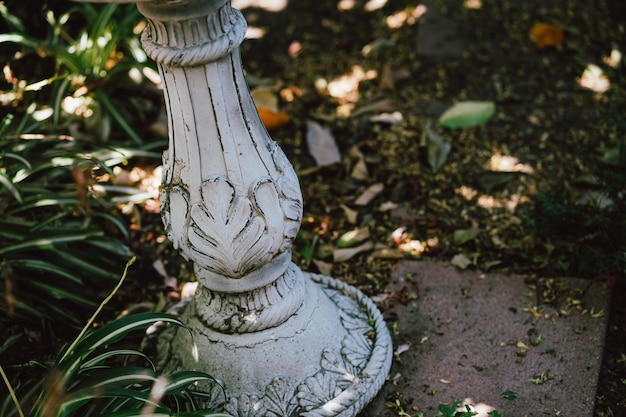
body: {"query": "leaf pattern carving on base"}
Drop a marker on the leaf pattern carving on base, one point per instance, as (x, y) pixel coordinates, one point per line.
(317, 389)
(280, 399)
(245, 406)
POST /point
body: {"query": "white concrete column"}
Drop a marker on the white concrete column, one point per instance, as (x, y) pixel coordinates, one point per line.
(230, 200)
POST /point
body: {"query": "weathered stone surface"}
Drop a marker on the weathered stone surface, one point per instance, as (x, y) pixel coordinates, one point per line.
(472, 336)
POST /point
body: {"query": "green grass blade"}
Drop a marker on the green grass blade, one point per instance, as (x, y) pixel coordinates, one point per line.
(24, 161)
(118, 377)
(111, 246)
(54, 290)
(4, 180)
(9, 341)
(94, 269)
(117, 116)
(11, 392)
(51, 241)
(83, 396)
(182, 380)
(110, 333)
(116, 330)
(39, 201)
(58, 95)
(98, 359)
(4, 124)
(38, 265)
(115, 221)
(19, 39)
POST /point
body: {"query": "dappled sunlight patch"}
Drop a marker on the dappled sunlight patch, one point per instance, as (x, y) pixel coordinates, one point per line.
(346, 88)
(147, 181)
(268, 5)
(254, 32)
(489, 202)
(614, 59)
(405, 243)
(468, 193)
(346, 5)
(6, 97)
(153, 76)
(138, 75)
(372, 5)
(481, 409)
(504, 163)
(81, 106)
(404, 17)
(414, 247)
(473, 4)
(594, 79)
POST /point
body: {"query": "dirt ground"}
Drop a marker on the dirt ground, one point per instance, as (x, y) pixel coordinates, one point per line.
(417, 59)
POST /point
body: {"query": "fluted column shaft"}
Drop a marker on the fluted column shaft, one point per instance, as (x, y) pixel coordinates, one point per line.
(230, 199)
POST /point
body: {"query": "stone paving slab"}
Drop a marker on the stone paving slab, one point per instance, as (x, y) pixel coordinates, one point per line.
(471, 338)
(444, 33)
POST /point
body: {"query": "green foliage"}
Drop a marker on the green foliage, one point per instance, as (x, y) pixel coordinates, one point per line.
(509, 395)
(60, 242)
(89, 62)
(97, 376)
(456, 410)
(467, 114)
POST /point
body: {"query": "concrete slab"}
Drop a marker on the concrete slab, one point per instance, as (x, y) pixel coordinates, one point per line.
(474, 336)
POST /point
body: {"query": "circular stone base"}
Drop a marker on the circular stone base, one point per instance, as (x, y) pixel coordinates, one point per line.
(329, 359)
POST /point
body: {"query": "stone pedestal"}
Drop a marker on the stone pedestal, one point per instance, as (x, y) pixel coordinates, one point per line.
(283, 342)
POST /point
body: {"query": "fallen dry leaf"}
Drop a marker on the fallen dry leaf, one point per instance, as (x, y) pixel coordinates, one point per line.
(82, 177)
(403, 348)
(272, 120)
(353, 237)
(265, 97)
(369, 194)
(359, 169)
(351, 215)
(461, 261)
(321, 144)
(438, 148)
(545, 35)
(342, 255)
(387, 118)
(381, 106)
(325, 268)
(360, 172)
(391, 76)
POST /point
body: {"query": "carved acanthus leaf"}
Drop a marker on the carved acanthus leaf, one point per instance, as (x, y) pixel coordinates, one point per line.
(226, 235)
